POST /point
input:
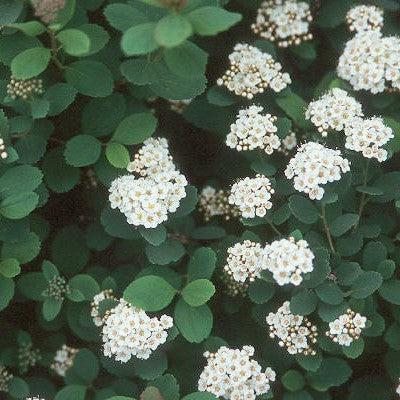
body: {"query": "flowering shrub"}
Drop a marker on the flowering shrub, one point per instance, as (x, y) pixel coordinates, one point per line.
(199, 199)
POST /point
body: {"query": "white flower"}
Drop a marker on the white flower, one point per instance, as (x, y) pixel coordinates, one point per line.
(365, 18)
(147, 200)
(334, 110)
(346, 328)
(252, 196)
(294, 332)
(253, 130)
(214, 203)
(244, 261)
(367, 136)
(252, 71)
(233, 375)
(286, 22)
(315, 165)
(371, 62)
(288, 260)
(106, 294)
(128, 331)
(63, 360)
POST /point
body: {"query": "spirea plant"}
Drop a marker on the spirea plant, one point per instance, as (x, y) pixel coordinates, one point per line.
(199, 199)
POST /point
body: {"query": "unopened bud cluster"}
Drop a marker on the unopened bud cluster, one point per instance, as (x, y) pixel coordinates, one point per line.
(365, 18)
(63, 360)
(254, 130)
(251, 72)
(233, 288)
(233, 375)
(47, 10)
(5, 378)
(288, 260)
(294, 332)
(3, 151)
(178, 106)
(147, 200)
(129, 332)
(286, 22)
(244, 261)
(333, 110)
(27, 357)
(315, 165)
(24, 89)
(214, 203)
(347, 328)
(289, 142)
(106, 294)
(252, 196)
(57, 288)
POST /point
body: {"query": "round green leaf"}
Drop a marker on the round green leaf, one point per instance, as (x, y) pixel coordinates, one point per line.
(82, 150)
(304, 302)
(24, 250)
(74, 42)
(293, 380)
(135, 128)
(50, 308)
(366, 284)
(172, 30)
(151, 293)
(10, 268)
(30, 63)
(86, 285)
(19, 205)
(75, 392)
(390, 291)
(198, 292)
(6, 291)
(139, 39)
(303, 209)
(166, 253)
(117, 154)
(202, 264)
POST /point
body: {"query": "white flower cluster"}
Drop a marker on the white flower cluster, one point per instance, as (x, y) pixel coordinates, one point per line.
(128, 331)
(5, 378)
(3, 150)
(367, 136)
(294, 332)
(213, 203)
(233, 375)
(147, 200)
(106, 294)
(252, 71)
(347, 328)
(334, 110)
(253, 130)
(252, 196)
(63, 360)
(288, 260)
(365, 18)
(286, 22)
(371, 62)
(315, 165)
(244, 261)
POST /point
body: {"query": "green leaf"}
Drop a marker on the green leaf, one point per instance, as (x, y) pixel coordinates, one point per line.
(39, 108)
(309, 363)
(32, 285)
(20, 179)
(64, 15)
(76, 392)
(151, 393)
(294, 106)
(24, 250)
(166, 253)
(117, 154)
(168, 387)
(135, 128)
(123, 16)
(172, 30)
(60, 96)
(304, 302)
(194, 323)
(6, 291)
(151, 293)
(84, 369)
(90, 78)
(355, 349)
(30, 28)
(366, 284)
(333, 372)
(186, 60)
(343, 223)
(86, 285)
(333, 14)
(30, 63)
(139, 39)
(153, 367)
(98, 37)
(74, 42)
(303, 209)
(49, 270)
(18, 388)
(82, 150)
(198, 292)
(154, 236)
(330, 293)
(390, 291)
(208, 21)
(293, 380)
(202, 264)
(19, 205)
(10, 268)
(9, 12)
(51, 308)
(261, 292)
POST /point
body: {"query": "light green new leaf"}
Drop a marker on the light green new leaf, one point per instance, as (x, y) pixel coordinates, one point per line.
(10, 268)
(123, 16)
(30, 28)
(198, 292)
(139, 39)
(74, 42)
(172, 30)
(30, 63)
(117, 154)
(151, 293)
(208, 21)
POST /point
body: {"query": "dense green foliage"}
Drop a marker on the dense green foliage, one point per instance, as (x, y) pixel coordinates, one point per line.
(108, 70)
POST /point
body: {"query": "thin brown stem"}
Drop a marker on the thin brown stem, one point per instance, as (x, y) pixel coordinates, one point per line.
(327, 230)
